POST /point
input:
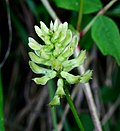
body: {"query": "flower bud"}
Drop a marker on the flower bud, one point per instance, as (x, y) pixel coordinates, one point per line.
(34, 44)
(40, 70)
(63, 44)
(71, 64)
(60, 91)
(57, 33)
(56, 65)
(44, 28)
(71, 79)
(47, 40)
(63, 32)
(51, 26)
(43, 80)
(86, 76)
(44, 55)
(38, 60)
(55, 101)
(55, 25)
(67, 39)
(39, 32)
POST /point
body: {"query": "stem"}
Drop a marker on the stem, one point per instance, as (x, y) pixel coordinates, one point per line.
(73, 109)
(53, 111)
(101, 12)
(80, 15)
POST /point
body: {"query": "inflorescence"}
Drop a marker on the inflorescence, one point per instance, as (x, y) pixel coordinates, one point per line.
(59, 45)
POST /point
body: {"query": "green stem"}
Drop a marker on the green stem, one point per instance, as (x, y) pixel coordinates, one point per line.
(53, 111)
(1, 107)
(80, 15)
(72, 107)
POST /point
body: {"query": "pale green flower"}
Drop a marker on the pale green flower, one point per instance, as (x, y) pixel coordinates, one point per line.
(59, 45)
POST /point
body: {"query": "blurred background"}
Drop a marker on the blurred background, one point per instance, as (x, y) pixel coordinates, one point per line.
(25, 104)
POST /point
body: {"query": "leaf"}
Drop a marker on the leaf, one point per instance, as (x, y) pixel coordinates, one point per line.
(106, 35)
(89, 7)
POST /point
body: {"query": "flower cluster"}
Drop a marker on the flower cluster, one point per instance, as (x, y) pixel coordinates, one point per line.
(59, 45)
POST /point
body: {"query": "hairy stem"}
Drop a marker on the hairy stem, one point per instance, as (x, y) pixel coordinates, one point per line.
(72, 107)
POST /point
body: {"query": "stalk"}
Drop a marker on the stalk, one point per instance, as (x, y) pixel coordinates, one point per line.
(72, 107)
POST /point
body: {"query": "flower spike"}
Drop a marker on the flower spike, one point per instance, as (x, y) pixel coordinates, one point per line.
(59, 45)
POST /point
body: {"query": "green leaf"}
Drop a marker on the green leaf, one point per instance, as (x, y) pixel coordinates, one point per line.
(89, 7)
(106, 35)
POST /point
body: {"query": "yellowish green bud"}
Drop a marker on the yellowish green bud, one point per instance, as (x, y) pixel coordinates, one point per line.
(39, 32)
(55, 101)
(71, 79)
(43, 80)
(44, 28)
(39, 60)
(63, 32)
(57, 65)
(34, 44)
(55, 25)
(71, 64)
(51, 26)
(86, 76)
(40, 70)
(57, 33)
(60, 91)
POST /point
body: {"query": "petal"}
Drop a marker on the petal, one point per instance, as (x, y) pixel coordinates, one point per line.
(43, 80)
(38, 31)
(34, 44)
(71, 79)
(71, 64)
(38, 60)
(55, 101)
(44, 28)
(57, 33)
(60, 47)
(63, 32)
(40, 70)
(60, 91)
(69, 50)
(86, 76)
(51, 26)
(55, 25)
